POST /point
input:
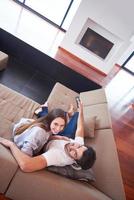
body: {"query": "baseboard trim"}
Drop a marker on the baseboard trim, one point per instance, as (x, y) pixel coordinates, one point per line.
(77, 59)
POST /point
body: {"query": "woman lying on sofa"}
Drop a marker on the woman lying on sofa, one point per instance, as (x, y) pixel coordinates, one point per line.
(71, 125)
(58, 152)
(30, 135)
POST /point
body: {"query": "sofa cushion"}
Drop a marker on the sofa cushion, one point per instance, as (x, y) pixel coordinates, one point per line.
(93, 97)
(95, 104)
(13, 106)
(61, 97)
(69, 172)
(102, 115)
(89, 126)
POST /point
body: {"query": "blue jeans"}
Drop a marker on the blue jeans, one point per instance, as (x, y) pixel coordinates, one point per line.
(43, 112)
(70, 129)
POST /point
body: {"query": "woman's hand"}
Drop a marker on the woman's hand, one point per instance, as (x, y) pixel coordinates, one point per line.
(5, 142)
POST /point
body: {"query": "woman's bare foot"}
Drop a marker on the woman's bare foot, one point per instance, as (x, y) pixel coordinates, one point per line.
(71, 110)
(38, 110)
(45, 104)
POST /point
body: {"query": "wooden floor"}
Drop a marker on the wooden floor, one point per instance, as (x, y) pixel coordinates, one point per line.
(119, 87)
(3, 198)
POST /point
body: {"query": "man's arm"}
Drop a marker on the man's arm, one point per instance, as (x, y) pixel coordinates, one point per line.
(80, 122)
(25, 162)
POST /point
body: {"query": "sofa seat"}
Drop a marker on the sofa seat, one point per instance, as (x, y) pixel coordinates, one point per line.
(51, 186)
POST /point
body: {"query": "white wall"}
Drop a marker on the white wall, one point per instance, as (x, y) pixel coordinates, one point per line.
(127, 53)
(116, 16)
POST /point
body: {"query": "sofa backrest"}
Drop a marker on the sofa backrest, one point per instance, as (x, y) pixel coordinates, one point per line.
(95, 104)
(13, 106)
(61, 96)
(106, 167)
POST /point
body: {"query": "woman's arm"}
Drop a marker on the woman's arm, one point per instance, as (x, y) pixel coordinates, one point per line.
(25, 162)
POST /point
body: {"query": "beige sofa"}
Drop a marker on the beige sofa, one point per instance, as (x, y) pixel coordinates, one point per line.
(3, 60)
(43, 184)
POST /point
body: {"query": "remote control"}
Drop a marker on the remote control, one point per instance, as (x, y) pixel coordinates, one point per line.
(77, 101)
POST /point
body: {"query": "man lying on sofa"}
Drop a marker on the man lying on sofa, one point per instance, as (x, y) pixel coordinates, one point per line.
(58, 152)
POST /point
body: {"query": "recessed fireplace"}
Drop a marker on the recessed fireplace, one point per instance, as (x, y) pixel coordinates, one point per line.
(96, 43)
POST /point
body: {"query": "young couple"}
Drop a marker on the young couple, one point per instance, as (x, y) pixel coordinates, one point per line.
(63, 149)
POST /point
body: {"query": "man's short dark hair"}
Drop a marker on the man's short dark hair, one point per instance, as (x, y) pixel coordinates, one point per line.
(88, 158)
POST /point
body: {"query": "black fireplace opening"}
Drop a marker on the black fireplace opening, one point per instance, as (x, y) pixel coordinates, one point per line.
(96, 43)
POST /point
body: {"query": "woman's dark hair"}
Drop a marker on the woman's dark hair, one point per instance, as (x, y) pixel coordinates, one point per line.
(45, 121)
(88, 158)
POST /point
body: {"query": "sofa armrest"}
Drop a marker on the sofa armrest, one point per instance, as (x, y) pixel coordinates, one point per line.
(8, 168)
(3, 60)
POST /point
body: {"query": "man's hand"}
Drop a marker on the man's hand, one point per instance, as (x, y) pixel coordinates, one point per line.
(5, 142)
(80, 107)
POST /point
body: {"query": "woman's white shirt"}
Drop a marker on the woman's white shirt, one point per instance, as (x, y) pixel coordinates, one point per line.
(32, 139)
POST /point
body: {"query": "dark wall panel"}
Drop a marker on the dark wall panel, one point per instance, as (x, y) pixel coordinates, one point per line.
(43, 63)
